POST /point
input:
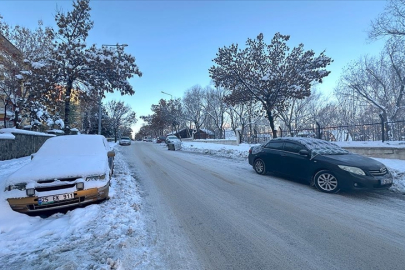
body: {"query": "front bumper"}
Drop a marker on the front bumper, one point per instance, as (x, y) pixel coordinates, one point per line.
(354, 181)
(29, 205)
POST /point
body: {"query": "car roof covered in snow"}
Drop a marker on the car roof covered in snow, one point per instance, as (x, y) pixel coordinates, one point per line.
(74, 145)
(317, 146)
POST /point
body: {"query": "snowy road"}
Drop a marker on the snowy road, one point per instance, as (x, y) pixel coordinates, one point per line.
(207, 212)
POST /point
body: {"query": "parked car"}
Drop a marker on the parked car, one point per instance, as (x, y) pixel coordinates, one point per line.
(161, 139)
(125, 141)
(173, 143)
(323, 164)
(67, 171)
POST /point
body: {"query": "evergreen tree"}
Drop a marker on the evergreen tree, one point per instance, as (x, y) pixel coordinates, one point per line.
(74, 65)
(271, 74)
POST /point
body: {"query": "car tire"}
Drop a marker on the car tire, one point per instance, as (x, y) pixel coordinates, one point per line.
(326, 181)
(259, 166)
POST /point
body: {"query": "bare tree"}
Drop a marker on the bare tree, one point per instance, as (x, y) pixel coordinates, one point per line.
(121, 116)
(300, 112)
(193, 106)
(216, 107)
(379, 81)
(391, 22)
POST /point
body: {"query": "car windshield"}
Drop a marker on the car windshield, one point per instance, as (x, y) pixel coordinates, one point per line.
(319, 147)
(125, 138)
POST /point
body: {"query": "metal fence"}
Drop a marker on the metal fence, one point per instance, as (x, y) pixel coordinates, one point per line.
(383, 131)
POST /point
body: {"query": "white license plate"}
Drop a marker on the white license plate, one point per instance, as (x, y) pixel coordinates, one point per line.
(386, 181)
(55, 198)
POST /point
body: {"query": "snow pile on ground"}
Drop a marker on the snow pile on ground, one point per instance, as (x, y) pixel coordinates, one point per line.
(230, 151)
(109, 235)
(396, 167)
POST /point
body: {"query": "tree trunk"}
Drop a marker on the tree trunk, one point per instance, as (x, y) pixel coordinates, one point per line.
(271, 120)
(68, 92)
(16, 124)
(387, 126)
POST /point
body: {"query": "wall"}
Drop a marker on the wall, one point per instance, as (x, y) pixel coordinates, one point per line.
(217, 141)
(379, 152)
(22, 145)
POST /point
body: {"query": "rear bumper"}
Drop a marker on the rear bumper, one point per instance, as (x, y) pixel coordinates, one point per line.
(29, 205)
(125, 143)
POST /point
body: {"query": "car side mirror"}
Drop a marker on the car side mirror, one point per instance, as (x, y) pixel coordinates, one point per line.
(111, 154)
(32, 156)
(304, 152)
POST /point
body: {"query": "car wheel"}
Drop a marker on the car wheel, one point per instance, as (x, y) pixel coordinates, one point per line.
(259, 166)
(325, 181)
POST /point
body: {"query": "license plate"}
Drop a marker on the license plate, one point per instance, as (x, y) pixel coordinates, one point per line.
(55, 198)
(386, 181)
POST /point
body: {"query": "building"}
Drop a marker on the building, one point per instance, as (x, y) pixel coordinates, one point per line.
(200, 134)
(10, 59)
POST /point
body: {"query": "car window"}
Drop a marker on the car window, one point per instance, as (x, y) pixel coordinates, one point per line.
(293, 147)
(274, 145)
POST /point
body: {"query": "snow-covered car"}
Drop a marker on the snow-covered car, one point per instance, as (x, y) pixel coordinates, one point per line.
(67, 171)
(173, 143)
(323, 164)
(125, 141)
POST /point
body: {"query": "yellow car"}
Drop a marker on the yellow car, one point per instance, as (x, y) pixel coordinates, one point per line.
(67, 171)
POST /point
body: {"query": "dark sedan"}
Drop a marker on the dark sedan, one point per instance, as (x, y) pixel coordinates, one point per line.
(323, 164)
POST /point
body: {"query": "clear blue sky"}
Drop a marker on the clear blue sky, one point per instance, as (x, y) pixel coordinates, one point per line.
(174, 42)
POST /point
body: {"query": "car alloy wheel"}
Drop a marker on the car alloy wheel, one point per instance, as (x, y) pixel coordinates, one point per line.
(325, 181)
(259, 166)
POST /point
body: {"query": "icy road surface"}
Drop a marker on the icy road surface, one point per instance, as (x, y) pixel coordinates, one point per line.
(207, 212)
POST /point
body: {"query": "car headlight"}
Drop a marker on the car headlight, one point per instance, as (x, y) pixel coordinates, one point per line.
(354, 170)
(30, 192)
(80, 186)
(19, 186)
(95, 177)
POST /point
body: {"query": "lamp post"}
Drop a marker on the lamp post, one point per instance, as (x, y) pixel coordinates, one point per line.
(171, 97)
(100, 97)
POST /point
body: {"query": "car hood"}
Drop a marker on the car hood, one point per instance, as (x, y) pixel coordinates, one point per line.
(353, 160)
(59, 167)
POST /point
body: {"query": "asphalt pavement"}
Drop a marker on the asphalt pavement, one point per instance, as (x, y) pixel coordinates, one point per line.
(206, 212)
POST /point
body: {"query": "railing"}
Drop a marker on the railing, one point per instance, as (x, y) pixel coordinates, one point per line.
(383, 131)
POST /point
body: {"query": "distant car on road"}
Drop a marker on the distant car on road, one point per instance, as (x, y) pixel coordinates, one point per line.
(147, 139)
(125, 141)
(67, 171)
(321, 163)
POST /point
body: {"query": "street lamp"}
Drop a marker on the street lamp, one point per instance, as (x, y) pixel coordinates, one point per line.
(171, 97)
(99, 101)
(116, 45)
